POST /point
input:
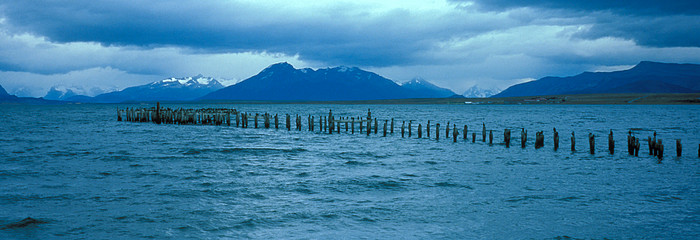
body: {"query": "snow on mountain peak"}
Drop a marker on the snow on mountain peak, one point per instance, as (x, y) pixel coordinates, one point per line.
(188, 81)
(477, 92)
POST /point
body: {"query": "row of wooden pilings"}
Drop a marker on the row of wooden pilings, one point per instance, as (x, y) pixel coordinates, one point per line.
(331, 123)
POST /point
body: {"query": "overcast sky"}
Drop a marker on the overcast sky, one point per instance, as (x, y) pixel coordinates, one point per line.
(95, 45)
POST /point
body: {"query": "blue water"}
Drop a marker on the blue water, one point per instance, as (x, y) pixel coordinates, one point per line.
(88, 176)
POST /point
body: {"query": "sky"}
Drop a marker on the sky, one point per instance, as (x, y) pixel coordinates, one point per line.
(96, 46)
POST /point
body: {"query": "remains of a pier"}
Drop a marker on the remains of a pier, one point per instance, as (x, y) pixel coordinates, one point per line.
(332, 123)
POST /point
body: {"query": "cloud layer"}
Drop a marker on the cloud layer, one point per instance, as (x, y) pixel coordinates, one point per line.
(453, 43)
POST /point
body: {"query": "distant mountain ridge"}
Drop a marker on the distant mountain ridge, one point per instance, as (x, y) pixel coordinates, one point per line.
(477, 92)
(424, 89)
(645, 77)
(170, 89)
(283, 82)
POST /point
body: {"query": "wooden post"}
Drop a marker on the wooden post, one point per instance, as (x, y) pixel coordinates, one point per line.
(353, 125)
(369, 121)
(483, 132)
(539, 139)
(409, 128)
(346, 125)
(660, 149)
(267, 120)
(523, 137)
(473, 137)
(157, 113)
(611, 143)
(369, 129)
(437, 131)
(556, 139)
(228, 118)
(403, 124)
(385, 122)
(360, 119)
(420, 131)
(288, 122)
(256, 120)
(591, 142)
(573, 142)
(653, 145)
(679, 148)
(630, 143)
(392, 126)
(636, 146)
(375, 125)
(490, 137)
(427, 129)
(447, 130)
(238, 119)
(119, 115)
(337, 127)
(465, 132)
(454, 133)
(506, 137)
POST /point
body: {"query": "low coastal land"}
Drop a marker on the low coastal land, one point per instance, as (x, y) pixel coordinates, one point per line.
(597, 99)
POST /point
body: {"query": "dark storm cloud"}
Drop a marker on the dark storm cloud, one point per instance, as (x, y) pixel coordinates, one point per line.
(648, 22)
(627, 7)
(389, 38)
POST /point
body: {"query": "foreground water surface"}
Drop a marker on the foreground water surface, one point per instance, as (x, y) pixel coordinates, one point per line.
(88, 176)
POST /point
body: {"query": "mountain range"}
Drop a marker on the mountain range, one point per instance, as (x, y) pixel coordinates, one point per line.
(645, 77)
(283, 82)
(171, 89)
(477, 92)
(424, 89)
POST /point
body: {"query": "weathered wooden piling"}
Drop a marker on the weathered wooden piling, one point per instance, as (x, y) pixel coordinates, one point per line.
(660, 149)
(636, 146)
(679, 148)
(591, 142)
(454, 133)
(369, 129)
(523, 137)
(427, 129)
(611, 143)
(573, 142)
(447, 130)
(483, 132)
(556, 139)
(346, 125)
(437, 131)
(420, 131)
(490, 137)
(375, 125)
(506, 137)
(409, 128)
(403, 124)
(465, 132)
(392, 126)
(353, 125)
(360, 119)
(385, 122)
(539, 139)
(473, 137)
(256, 120)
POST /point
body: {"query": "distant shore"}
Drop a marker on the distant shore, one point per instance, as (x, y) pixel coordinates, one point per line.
(595, 99)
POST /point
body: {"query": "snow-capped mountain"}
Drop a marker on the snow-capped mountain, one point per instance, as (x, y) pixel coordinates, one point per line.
(477, 92)
(425, 89)
(169, 89)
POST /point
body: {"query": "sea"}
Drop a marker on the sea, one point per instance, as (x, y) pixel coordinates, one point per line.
(85, 175)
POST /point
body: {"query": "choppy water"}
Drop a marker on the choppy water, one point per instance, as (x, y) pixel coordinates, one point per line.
(89, 176)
